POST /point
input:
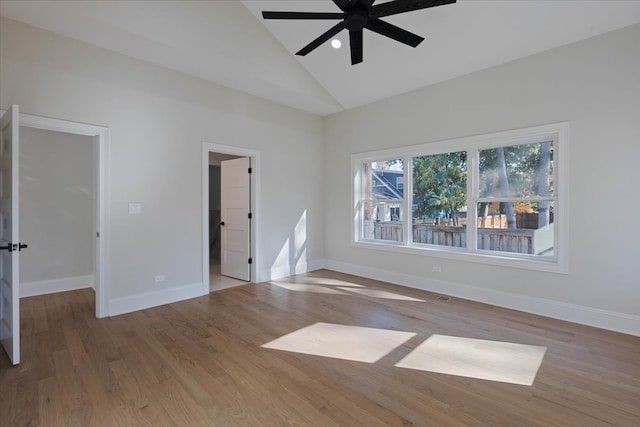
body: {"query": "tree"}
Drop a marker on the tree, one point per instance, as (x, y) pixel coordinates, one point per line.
(544, 172)
(518, 171)
(440, 184)
(504, 187)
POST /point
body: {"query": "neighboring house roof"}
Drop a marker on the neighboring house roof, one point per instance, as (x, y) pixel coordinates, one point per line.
(385, 184)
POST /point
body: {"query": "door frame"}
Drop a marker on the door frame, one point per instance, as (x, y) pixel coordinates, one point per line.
(101, 173)
(210, 147)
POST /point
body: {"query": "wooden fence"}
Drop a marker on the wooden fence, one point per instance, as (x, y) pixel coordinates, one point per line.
(494, 239)
(528, 220)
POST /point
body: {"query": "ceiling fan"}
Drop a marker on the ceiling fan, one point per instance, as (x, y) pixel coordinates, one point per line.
(360, 14)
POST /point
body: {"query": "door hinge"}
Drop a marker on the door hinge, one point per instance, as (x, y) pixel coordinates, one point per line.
(250, 171)
(250, 215)
(250, 260)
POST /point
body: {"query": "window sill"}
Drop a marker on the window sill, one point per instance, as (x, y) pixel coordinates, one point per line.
(461, 254)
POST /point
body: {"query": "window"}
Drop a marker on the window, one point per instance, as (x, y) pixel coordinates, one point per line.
(439, 199)
(492, 198)
(381, 200)
(516, 186)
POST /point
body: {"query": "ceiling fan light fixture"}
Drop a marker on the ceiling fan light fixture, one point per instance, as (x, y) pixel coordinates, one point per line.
(358, 15)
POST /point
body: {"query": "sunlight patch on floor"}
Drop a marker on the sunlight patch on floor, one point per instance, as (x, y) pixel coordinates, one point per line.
(329, 282)
(346, 342)
(377, 293)
(473, 358)
(336, 287)
(300, 287)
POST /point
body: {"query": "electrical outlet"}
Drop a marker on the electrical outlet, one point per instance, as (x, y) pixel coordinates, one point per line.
(160, 278)
(437, 269)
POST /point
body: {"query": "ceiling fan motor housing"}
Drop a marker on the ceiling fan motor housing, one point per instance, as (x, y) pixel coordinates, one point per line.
(356, 20)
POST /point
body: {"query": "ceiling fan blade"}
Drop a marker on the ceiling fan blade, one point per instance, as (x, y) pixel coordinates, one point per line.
(302, 15)
(396, 33)
(323, 38)
(343, 4)
(400, 6)
(355, 41)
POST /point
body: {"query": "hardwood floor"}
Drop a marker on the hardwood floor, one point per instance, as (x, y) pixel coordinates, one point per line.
(218, 282)
(200, 363)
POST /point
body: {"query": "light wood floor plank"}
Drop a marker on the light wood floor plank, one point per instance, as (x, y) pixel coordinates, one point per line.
(201, 363)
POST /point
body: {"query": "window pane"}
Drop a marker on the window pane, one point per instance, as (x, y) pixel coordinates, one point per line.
(382, 205)
(383, 221)
(517, 171)
(382, 179)
(440, 199)
(517, 227)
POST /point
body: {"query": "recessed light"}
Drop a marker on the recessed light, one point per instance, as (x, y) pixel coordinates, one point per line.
(336, 43)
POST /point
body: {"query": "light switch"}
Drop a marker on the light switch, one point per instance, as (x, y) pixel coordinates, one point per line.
(135, 208)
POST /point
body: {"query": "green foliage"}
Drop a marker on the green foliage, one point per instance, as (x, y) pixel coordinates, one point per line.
(439, 183)
(523, 164)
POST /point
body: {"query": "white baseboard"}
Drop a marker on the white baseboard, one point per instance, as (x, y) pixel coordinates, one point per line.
(285, 271)
(45, 287)
(153, 299)
(619, 322)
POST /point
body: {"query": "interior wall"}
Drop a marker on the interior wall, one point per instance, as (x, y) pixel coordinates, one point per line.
(57, 200)
(595, 85)
(158, 121)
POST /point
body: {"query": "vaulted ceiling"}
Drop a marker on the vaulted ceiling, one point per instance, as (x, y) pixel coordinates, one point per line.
(228, 42)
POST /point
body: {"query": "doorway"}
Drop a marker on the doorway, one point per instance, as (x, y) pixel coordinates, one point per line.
(98, 137)
(11, 122)
(57, 219)
(229, 229)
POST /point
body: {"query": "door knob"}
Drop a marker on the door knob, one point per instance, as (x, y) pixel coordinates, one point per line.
(222, 223)
(9, 247)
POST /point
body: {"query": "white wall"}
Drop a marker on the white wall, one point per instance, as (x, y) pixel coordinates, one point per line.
(56, 205)
(158, 120)
(594, 84)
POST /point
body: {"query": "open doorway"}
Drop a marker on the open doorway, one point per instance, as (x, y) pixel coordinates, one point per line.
(97, 266)
(219, 275)
(229, 208)
(57, 218)
(92, 181)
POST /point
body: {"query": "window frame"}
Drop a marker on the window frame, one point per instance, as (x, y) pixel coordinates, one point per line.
(556, 132)
(373, 201)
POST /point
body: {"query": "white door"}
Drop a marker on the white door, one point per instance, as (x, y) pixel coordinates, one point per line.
(235, 221)
(9, 240)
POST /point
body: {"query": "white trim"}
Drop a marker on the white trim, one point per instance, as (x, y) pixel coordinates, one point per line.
(45, 287)
(145, 300)
(103, 260)
(102, 136)
(558, 132)
(209, 147)
(300, 268)
(459, 254)
(605, 319)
